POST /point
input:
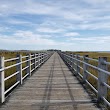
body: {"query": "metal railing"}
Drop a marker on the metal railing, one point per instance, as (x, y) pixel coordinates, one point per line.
(94, 72)
(23, 67)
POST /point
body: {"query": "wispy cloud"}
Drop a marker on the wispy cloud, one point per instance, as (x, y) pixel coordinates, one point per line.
(72, 34)
(55, 23)
(97, 2)
(91, 40)
(27, 7)
(48, 30)
(3, 29)
(29, 38)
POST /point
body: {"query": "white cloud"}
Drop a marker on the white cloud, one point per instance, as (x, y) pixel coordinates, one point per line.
(59, 19)
(26, 38)
(48, 30)
(72, 34)
(30, 38)
(26, 6)
(4, 29)
(94, 26)
(96, 2)
(91, 40)
(39, 8)
(14, 21)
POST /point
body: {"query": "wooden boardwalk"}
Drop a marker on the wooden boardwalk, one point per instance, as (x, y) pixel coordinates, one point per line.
(52, 87)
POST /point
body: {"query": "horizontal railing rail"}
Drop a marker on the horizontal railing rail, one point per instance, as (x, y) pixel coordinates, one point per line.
(96, 74)
(21, 67)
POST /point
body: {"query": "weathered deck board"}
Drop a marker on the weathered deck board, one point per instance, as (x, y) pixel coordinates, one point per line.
(52, 87)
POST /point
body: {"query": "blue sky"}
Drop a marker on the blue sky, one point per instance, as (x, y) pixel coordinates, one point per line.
(76, 25)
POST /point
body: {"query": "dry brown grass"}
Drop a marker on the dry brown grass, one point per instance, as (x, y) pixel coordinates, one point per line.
(10, 71)
(95, 55)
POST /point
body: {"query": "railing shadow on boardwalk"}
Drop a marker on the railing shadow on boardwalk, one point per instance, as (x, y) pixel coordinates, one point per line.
(48, 89)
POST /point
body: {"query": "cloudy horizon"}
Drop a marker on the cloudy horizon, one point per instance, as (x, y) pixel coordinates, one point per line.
(82, 25)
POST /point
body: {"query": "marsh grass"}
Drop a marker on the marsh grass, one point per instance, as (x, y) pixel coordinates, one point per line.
(10, 71)
(95, 55)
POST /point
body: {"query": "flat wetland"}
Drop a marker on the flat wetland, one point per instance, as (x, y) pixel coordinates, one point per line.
(94, 55)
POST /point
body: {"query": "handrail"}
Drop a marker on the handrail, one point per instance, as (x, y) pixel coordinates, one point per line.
(91, 59)
(75, 62)
(31, 62)
(12, 59)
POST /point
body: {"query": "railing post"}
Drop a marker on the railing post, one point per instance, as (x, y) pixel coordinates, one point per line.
(42, 58)
(29, 64)
(102, 77)
(45, 56)
(62, 55)
(2, 84)
(67, 58)
(70, 59)
(19, 68)
(85, 67)
(39, 59)
(35, 60)
(73, 62)
(77, 65)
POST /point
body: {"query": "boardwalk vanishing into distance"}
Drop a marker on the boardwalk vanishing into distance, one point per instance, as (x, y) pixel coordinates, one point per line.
(51, 87)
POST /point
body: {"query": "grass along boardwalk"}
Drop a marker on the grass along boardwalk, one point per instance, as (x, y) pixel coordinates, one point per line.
(52, 87)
